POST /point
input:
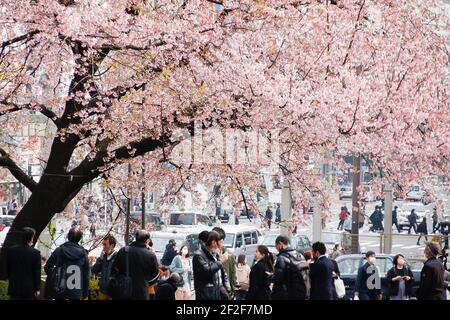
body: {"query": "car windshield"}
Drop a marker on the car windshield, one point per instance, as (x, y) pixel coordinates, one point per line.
(269, 241)
(182, 219)
(159, 244)
(409, 207)
(331, 238)
(229, 240)
(346, 189)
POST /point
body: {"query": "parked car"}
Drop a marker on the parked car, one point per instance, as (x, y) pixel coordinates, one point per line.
(152, 217)
(5, 224)
(161, 238)
(345, 192)
(349, 265)
(330, 239)
(188, 218)
(300, 243)
(241, 239)
(405, 210)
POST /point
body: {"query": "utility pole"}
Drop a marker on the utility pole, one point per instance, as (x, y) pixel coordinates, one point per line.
(286, 207)
(387, 218)
(355, 203)
(127, 218)
(143, 197)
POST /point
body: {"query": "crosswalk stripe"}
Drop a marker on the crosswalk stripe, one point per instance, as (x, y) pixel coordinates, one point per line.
(397, 245)
(411, 247)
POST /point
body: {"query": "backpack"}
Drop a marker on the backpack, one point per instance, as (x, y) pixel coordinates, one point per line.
(120, 286)
(56, 281)
(299, 283)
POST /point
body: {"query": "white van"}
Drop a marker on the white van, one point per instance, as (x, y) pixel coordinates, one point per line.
(189, 219)
(242, 240)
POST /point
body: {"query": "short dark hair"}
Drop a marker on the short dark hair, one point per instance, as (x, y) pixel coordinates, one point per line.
(213, 236)
(28, 234)
(221, 232)
(283, 239)
(74, 235)
(203, 236)
(110, 238)
(142, 235)
(319, 247)
(370, 253)
(396, 258)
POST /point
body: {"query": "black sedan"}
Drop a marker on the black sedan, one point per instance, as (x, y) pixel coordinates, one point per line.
(349, 265)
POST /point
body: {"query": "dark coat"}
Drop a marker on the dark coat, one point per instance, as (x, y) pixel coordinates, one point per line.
(412, 218)
(165, 291)
(283, 289)
(321, 279)
(144, 269)
(394, 216)
(23, 271)
(208, 274)
(259, 282)
(394, 285)
(431, 280)
(71, 254)
(361, 282)
(168, 255)
(422, 228)
(103, 267)
(269, 214)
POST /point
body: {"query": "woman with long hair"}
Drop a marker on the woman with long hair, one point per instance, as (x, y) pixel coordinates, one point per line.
(182, 265)
(259, 275)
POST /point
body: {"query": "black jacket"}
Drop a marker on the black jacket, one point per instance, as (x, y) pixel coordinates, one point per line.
(165, 291)
(208, 275)
(24, 271)
(393, 285)
(321, 279)
(144, 269)
(431, 280)
(394, 216)
(269, 214)
(283, 288)
(103, 267)
(71, 254)
(259, 282)
(168, 255)
(422, 228)
(362, 281)
(412, 218)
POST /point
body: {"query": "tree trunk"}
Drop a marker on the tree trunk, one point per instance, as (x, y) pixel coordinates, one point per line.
(51, 196)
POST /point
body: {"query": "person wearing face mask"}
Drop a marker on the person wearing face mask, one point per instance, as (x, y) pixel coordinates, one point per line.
(368, 282)
(400, 280)
(208, 270)
(181, 265)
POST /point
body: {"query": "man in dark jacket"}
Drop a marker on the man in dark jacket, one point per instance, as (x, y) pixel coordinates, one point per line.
(229, 266)
(412, 218)
(268, 217)
(166, 290)
(395, 219)
(169, 253)
(321, 274)
(104, 264)
(285, 285)
(368, 282)
(143, 265)
(209, 276)
(24, 268)
(432, 275)
(73, 260)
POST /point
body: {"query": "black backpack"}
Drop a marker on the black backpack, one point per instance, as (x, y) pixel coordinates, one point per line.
(120, 286)
(299, 283)
(56, 282)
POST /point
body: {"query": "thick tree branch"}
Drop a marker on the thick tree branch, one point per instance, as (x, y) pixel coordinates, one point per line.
(22, 177)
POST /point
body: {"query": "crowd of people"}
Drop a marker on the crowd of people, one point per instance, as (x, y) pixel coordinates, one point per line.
(213, 273)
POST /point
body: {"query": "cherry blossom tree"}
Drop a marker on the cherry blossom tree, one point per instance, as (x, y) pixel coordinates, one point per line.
(127, 81)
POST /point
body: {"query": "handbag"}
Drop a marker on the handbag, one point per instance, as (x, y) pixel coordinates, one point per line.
(120, 286)
(55, 282)
(340, 287)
